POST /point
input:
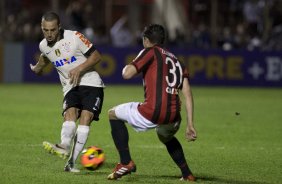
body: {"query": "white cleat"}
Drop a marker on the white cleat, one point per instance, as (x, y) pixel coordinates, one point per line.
(70, 168)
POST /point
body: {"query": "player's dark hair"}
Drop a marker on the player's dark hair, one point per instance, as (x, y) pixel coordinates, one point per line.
(50, 16)
(155, 33)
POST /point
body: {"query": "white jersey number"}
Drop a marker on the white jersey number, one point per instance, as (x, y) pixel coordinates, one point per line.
(174, 67)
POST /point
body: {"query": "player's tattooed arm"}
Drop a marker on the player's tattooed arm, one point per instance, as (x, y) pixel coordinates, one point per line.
(42, 62)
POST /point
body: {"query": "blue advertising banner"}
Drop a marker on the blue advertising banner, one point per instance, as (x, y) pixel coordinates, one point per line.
(206, 67)
(1, 63)
(232, 68)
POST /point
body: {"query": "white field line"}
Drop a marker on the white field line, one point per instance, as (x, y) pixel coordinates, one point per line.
(145, 146)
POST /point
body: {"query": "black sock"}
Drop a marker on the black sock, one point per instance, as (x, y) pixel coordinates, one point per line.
(175, 150)
(120, 137)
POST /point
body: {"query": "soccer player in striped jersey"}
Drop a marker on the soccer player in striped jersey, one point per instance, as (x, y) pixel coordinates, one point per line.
(163, 77)
(74, 58)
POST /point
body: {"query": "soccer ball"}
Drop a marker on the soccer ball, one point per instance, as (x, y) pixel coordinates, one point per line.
(92, 157)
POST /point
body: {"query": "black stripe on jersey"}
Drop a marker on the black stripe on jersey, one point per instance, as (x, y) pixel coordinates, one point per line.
(183, 68)
(145, 94)
(177, 108)
(159, 83)
(141, 56)
(147, 64)
(90, 51)
(168, 106)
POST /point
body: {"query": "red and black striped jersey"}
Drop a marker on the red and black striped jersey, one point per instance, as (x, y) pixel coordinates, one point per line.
(163, 76)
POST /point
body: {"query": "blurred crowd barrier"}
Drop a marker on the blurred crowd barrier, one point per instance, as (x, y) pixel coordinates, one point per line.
(206, 67)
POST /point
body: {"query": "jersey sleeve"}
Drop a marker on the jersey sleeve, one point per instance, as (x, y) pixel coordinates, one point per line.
(184, 70)
(142, 60)
(41, 48)
(185, 73)
(83, 43)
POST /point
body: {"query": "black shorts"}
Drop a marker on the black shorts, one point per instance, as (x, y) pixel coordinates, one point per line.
(85, 98)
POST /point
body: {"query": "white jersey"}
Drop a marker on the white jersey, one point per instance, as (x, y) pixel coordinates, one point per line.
(67, 54)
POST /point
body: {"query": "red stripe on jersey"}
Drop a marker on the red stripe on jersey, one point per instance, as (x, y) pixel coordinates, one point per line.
(163, 76)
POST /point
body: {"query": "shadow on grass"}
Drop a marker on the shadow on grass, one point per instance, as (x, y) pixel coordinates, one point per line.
(202, 179)
(104, 169)
(223, 180)
(138, 177)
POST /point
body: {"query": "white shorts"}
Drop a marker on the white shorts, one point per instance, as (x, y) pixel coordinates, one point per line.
(128, 112)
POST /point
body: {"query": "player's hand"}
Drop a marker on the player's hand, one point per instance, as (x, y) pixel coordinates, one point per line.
(191, 134)
(32, 67)
(35, 69)
(74, 76)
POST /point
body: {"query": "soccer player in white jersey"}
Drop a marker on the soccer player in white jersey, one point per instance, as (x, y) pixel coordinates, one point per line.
(74, 57)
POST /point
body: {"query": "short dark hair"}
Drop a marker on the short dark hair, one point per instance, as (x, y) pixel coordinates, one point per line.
(155, 33)
(50, 16)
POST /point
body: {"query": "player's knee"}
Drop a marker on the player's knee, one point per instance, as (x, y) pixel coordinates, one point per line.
(86, 118)
(70, 115)
(164, 139)
(164, 135)
(112, 114)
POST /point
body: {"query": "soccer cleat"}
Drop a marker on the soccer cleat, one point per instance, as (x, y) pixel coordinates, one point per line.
(70, 168)
(188, 178)
(122, 170)
(56, 149)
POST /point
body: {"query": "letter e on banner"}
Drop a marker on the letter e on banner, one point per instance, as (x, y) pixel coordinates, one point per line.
(274, 69)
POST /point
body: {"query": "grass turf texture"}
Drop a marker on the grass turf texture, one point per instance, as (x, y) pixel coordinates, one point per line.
(239, 138)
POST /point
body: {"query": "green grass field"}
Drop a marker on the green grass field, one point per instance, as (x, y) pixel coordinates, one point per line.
(243, 149)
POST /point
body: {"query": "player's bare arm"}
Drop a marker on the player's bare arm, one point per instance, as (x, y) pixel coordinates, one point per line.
(85, 67)
(190, 134)
(40, 65)
(129, 71)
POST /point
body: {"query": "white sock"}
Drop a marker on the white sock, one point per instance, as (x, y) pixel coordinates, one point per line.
(81, 138)
(67, 133)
